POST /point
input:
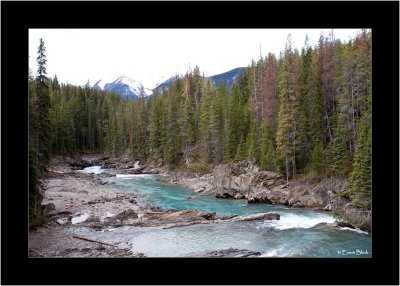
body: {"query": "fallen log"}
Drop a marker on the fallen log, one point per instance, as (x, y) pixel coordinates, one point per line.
(92, 240)
(259, 216)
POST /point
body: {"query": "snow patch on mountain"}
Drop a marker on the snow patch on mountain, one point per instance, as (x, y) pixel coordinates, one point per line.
(124, 85)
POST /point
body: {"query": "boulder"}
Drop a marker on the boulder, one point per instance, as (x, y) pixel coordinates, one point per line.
(259, 199)
(239, 196)
(243, 179)
(105, 175)
(199, 190)
(48, 208)
(62, 221)
(221, 174)
(78, 163)
(345, 224)
(128, 214)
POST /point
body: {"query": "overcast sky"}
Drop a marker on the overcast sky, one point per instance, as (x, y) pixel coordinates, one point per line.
(154, 55)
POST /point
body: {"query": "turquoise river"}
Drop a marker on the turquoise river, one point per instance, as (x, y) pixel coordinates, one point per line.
(298, 233)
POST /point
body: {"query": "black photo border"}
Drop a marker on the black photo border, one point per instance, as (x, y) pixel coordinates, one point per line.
(18, 17)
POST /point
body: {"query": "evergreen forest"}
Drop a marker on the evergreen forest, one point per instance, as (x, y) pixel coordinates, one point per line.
(305, 114)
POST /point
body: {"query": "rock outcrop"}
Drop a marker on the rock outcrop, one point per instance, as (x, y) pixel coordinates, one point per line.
(77, 163)
(244, 180)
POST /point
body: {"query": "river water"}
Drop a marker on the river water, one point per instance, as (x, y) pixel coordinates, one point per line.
(298, 233)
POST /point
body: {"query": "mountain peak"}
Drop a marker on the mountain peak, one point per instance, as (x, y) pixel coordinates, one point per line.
(99, 84)
(125, 86)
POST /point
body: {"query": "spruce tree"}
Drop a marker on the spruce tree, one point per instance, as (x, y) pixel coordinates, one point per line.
(291, 135)
(35, 196)
(315, 129)
(337, 154)
(43, 136)
(206, 124)
(241, 149)
(268, 159)
(157, 126)
(360, 178)
(251, 142)
(218, 121)
(306, 96)
(232, 137)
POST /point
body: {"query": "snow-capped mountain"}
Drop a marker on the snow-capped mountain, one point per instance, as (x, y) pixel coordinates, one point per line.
(125, 86)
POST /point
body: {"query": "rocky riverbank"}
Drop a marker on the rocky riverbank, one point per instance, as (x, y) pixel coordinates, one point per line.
(74, 199)
(244, 180)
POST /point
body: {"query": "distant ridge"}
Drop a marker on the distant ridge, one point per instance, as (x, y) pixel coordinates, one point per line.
(227, 78)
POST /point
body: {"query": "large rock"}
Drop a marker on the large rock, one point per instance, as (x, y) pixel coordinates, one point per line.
(244, 180)
(358, 218)
(222, 177)
(47, 209)
(62, 221)
(322, 195)
(127, 214)
(78, 163)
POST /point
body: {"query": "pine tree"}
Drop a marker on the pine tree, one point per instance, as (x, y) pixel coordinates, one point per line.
(268, 159)
(55, 84)
(270, 99)
(307, 90)
(251, 143)
(326, 73)
(360, 178)
(43, 135)
(35, 196)
(133, 142)
(337, 162)
(172, 146)
(291, 121)
(315, 129)
(241, 149)
(142, 126)
(157, 126)
(206, 124)
(232, 132)
(219, 117)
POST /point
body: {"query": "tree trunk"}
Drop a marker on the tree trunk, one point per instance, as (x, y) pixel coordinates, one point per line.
(37, 150)
(287, 170)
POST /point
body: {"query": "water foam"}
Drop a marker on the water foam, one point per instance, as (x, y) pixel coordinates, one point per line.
(80, 218)
(133, 175)
(288, 221)
(276, 252)
(354, 229)
(92, 170)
